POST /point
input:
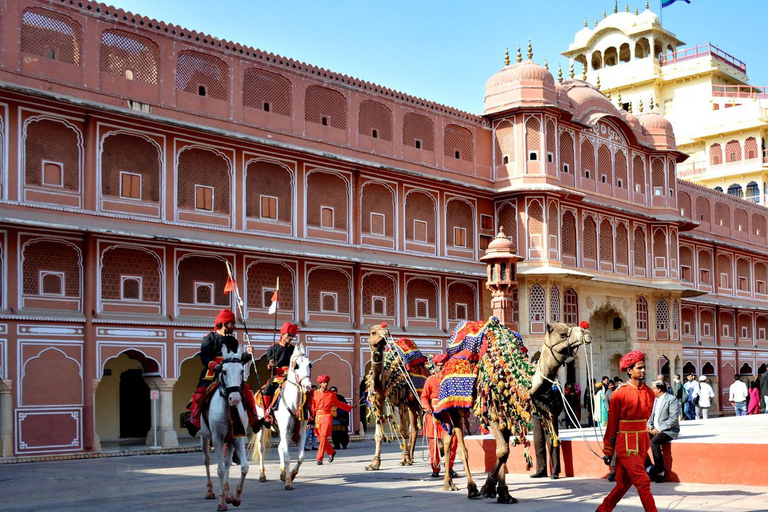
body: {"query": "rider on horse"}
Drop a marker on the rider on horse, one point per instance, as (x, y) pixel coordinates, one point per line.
(278, 361)
(211, 356)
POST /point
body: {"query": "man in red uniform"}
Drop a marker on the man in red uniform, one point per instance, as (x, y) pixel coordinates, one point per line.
(627, 436)
(433, 429)
(322, 403)
(278, 359)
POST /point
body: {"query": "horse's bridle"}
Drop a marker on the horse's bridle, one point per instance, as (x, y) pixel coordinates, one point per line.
(226, 391)
(298, 381)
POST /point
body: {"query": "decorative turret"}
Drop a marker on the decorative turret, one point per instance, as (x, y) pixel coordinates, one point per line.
(501, 264)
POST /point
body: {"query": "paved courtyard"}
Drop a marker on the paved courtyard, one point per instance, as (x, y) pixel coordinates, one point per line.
(177, 483)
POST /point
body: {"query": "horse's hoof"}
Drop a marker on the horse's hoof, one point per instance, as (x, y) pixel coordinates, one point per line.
(236, 502)
(228, 499)
(472, 491)
(293, 474)
(282, 477)
(262, 478)
(289, 487)
(222, 507)
(210, 495)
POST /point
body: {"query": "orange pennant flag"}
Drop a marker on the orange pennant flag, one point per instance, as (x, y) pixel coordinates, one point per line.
(230, 286)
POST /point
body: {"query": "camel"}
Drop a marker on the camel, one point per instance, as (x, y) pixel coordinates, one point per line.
(507, 389)
(396, 380)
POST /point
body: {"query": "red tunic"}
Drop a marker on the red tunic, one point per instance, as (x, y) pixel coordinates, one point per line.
(429, 399)
(322, 402)
(626, 433)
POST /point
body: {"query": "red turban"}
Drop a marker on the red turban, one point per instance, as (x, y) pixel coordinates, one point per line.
(289, 328)
(630, 359)
(439, 358)
(224, 316)
(323, 378)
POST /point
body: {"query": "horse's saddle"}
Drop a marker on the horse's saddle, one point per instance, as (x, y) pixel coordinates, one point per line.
(236, 427)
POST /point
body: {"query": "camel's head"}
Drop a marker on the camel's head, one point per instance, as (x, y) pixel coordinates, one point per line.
(561, 343)
(377, 337)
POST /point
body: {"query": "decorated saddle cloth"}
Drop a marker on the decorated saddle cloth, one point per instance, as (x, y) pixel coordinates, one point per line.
(465, 348)
(404, 357)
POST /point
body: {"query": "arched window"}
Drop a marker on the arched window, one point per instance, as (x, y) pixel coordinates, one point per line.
(733, 151)
(505, 143)
(267, 91)
(262, 277)
(570, 306)
(566, 153)
(590, 239)
(639, 252)
(268, 191)
(325, 107)
(535, 225)
(569, 234)
(715, 154)
(662, 319)
(51, 35)
(642, 318)
(538, 306)
(587, 160)
(554, 304)
(606, 242)
(379, 295)
(203, 75)
(458, 143)
(130, 168)
(533, 139)
(375, 120)
(507, 219)
(461, 302)
(418, 132)
(129, 56)
(622, 245)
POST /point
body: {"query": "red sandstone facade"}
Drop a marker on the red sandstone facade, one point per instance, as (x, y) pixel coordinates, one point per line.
(139, 157)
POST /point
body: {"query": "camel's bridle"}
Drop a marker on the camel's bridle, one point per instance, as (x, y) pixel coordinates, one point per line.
(571, 347)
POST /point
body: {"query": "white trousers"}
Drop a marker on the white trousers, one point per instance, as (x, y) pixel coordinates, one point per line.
(702, 413)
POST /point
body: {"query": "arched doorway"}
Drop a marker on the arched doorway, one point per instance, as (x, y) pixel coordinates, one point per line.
(609, 336)
(189, 376)
(123, 408)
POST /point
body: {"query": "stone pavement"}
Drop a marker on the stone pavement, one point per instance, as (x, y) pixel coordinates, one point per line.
(176, 482)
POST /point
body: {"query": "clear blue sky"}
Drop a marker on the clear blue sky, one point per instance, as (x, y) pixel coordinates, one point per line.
(445, 51)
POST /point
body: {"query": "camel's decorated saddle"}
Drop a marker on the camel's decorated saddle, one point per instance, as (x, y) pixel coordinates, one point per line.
(401, 361)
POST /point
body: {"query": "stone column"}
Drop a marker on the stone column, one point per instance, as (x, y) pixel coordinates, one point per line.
(96, 446)
(6, 418)
(166, 434)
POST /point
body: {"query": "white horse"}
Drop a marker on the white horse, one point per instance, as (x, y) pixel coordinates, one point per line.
(296, 388)
(226, 406)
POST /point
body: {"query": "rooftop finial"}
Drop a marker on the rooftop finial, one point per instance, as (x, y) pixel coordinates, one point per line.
(519, 55)
(608, 95)
(559, 73)
(626, 7)
(640, 105)
(616, 6)
(604, 14)
(652, 103)
(546, 64)
(586, 23)
(629, 107)
(647, 4)
(598, 82)
(570, 71)
(595, 21)
(619, 100)
(584, 72)
(530, 50)
(636, 11)
(506, 57)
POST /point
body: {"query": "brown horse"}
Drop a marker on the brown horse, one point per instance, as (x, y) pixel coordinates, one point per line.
(560, 343)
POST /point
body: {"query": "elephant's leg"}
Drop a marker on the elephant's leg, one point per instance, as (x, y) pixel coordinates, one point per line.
(378, 439)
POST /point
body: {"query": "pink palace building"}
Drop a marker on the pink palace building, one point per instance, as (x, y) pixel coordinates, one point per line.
(138, 157)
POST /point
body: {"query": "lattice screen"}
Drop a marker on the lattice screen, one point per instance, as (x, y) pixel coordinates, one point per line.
(196, 69)
(722, 215)
(199, 166)
(570, 307)
(533, 136)
(742, 270)
(379, 199)
(202, 269)
(458, 139)
(662, 315)
(758, 225)
(378, 285)
(260, 87)
(569, 234)
(715, 154)
(672, 174)
(461, 293)
(638, 174)
(620, 162)
(553, 229)
(657, 173)
(535, 224)
(124, 261)
(269, 179)
(639, 248)
(590, 238)
(587, 159)
(606, 242)
(52, 256)
(375, 116)
(420, 206)
(566, 151)
(642, 314)
(622, 245)
(659, 244)
(459, 214)
(684, 203)
(750, 148)
(263, 275)
(329, 190)
(551, 145)
(740, 218)
(505, 142)
(508, 220)
(702, 209)
(50, 34)
(323, 103)
(604, 165)
(56, 142)
(537, 304)
(130, 153)
(421, 289)
(130, 56)
(328, 280)
(418, 128)
(554, 304)
(733, 151)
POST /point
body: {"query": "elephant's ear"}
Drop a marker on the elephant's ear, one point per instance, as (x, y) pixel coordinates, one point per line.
(549, 328)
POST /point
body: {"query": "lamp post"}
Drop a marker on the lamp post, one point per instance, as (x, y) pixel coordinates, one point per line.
(501, 280)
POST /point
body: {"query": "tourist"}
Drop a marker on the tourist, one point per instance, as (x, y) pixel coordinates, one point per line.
(754, 398)
(589, 402)
(322, 403)
(663, 426)
(705, 395)
(601, 410)
(737, 395)
(340, 424)
(690, 388)
(677, 391)
(632, 405)
(764, 389)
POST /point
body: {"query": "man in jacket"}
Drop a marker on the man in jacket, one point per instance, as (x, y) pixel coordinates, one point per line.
(663, 426)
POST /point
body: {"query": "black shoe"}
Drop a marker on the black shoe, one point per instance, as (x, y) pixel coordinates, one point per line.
(539, 475)
(435, 474)
(555, 477)
(319, 463)
(330, 459)
(661, 478)
(612, 476)
(454, 474)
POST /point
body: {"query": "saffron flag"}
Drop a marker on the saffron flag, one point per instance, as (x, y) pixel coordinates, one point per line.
(273, 306)
(667, 3)
(231, 285)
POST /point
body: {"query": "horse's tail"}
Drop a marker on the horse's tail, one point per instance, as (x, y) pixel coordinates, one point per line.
(266, 442)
